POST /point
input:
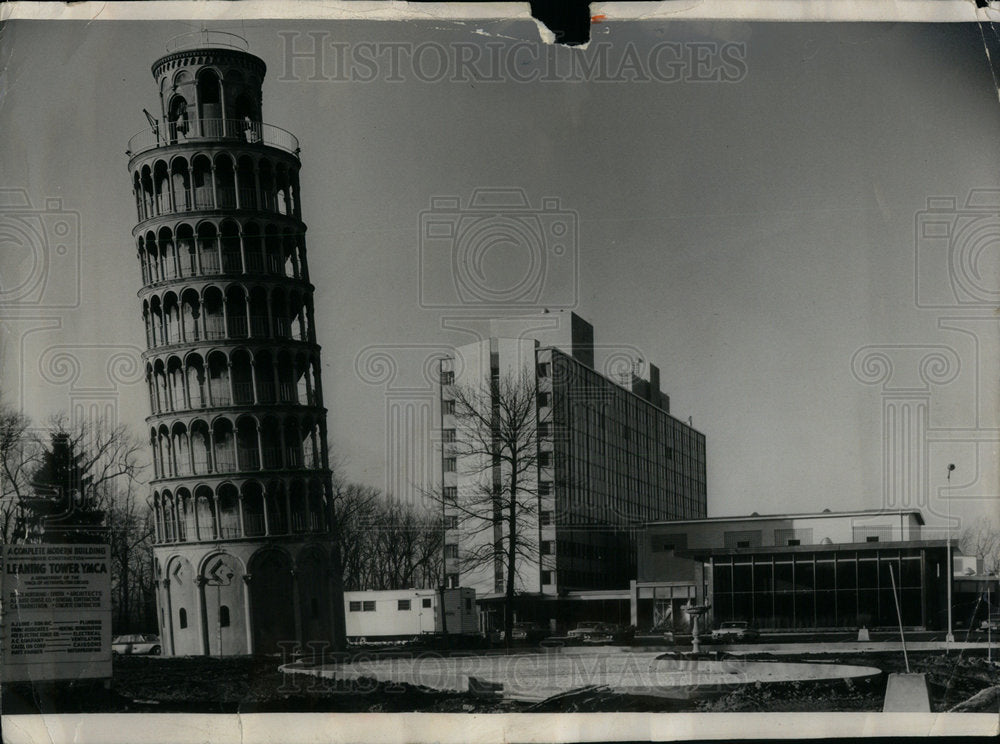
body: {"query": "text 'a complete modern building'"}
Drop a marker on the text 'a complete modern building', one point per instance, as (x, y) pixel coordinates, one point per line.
(829, 570)
(610, 458)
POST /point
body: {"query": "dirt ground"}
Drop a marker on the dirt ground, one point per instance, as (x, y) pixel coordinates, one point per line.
(210, 685)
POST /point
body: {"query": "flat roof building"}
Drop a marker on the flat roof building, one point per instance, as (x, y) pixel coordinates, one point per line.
(610, 457)
(793, 571)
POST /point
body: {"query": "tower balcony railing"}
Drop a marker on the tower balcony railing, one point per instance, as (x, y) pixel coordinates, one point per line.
(272, 458)
(243, 393)
(254, 524)
(212, 264)
(243, 131)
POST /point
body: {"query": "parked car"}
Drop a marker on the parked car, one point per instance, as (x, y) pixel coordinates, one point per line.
(601, 633)
(735, 630)
(136, 643)
(528, 632)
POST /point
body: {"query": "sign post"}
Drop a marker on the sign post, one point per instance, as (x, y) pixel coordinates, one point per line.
(55, 612)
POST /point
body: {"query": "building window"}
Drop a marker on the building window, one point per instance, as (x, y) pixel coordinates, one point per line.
(544, 488)
(425, 602)
(447, 407)
(544, 429)
(545, 518)
(544, 459)
(468, 604)
(544, 369)
(665, 543)
(450, 463)
(882, 531)
(448, 435)
(742, 539)
(403, 605)
(670, 453)
(871, 538)
(355, 606)
(451, 493)
(453, 580)
(368, 605)
(451, 550)
(183, 615)
(546, 547)
(223, 617)
(547, 578)
(448, 377)
(451, 522)
(543, 399)
(801, 537)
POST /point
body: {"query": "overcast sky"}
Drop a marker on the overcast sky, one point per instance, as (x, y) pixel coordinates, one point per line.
(748, 237)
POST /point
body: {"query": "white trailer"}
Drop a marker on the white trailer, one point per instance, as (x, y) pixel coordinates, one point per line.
(402, 614)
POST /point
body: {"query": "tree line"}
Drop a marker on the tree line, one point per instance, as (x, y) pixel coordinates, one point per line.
(80, 482)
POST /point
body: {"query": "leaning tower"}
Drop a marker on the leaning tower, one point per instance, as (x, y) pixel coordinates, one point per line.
(242, 489)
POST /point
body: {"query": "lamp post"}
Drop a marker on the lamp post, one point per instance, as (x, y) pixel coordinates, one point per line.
(949, 637)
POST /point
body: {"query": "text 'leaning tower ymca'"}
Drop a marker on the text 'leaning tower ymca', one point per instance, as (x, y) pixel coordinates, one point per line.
(242, 487)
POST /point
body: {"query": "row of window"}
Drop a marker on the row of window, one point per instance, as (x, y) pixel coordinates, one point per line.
(805, 573)
(753, 538)
(368, 605)
(182, 617)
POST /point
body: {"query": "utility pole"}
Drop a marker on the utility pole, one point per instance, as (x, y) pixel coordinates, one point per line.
(949, 637)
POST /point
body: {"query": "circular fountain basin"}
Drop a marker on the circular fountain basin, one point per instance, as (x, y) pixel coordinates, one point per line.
(535, 677)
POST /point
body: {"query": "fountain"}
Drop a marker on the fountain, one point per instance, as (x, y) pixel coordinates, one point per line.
(694, 612)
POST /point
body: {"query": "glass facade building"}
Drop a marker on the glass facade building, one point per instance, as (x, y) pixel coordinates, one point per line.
(610, 458)
(618, 461)
(785, 572)
(840, 587)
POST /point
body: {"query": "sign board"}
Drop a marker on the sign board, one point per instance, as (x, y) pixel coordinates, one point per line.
(55, 612)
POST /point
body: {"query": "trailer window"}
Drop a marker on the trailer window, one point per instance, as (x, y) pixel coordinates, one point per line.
(426, 602)
(355, 607)
(468, 604)
(368, 606)
(402, 604)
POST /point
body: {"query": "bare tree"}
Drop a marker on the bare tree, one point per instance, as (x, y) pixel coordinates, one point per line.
(130, 536)
(406, 546)
(20, 451)
(496, 453)
(381, 543)
(982, 540)
(354, 508)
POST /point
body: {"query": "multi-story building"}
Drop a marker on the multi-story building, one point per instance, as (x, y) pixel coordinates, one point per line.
(610, 457)
(241, 486)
